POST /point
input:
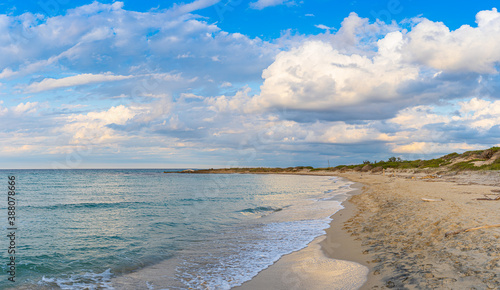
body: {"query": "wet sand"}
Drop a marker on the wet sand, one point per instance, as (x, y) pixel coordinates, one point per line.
(313, 267)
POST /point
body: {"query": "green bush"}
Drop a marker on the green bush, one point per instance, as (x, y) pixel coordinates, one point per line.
(465, 165)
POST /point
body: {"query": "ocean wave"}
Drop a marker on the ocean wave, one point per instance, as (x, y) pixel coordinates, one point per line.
(122, 204)
(260, 209)
(244, 253)
(88, 280)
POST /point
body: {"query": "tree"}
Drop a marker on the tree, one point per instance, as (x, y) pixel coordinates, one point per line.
(395, 159)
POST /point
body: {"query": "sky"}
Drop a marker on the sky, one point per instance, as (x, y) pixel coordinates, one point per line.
(272, 83)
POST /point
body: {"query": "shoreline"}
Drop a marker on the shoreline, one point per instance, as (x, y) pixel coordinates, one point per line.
(387, 228)
(396, 225)
(157, 276)
(338, 243)
(326, 261)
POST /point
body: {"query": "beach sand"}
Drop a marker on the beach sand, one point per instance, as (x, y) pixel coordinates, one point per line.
(401, 238)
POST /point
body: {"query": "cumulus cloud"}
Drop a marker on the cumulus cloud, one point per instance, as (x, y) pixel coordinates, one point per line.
(418, 117)
(341, 133)
(480, 114)
(6, 72)
(26, 108)
(467, 49)
(237, 103)
(316, 77)
(92, 128)
(371, 71)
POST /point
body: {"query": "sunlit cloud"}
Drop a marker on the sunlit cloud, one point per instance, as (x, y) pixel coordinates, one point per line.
(78, 80)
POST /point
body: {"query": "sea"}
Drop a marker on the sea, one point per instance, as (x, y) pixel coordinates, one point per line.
(146, 229)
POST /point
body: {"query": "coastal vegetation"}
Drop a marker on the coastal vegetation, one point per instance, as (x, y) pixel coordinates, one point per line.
(476, 160)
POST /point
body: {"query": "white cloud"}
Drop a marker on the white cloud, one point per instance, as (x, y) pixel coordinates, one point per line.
(7, 72)
(193, 6)
(26, 108)
(467, 49)
(341, 133)
(417, 117)
(317, 77)
(100, 37)
(261, 4)
(371, 71)
(237, 103)
(78, 80)
(156, 110)
(322, 26)
(91, 128)
(480, 114)
(358, 35)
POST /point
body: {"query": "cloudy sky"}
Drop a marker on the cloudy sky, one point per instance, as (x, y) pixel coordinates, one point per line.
(211, 83)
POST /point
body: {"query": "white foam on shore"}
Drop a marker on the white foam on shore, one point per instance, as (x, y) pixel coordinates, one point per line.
(247, 251)
(239, 257)
(88, 280)
(309, 269)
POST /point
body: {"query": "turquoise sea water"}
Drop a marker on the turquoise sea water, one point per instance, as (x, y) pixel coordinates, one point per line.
(93, 229)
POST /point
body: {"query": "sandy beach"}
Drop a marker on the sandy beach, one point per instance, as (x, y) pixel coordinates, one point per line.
(403, 236)
(389, 228)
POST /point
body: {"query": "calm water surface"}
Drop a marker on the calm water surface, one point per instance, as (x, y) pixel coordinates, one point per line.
(80, 229)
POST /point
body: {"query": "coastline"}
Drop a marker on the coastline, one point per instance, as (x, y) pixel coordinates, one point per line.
(331, 259)
(338, 243)
(157, 276)
(389, 227)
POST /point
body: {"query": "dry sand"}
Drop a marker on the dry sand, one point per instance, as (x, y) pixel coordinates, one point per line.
(403, 237)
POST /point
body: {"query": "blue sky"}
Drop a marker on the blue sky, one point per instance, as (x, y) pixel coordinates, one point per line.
(213, 83)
